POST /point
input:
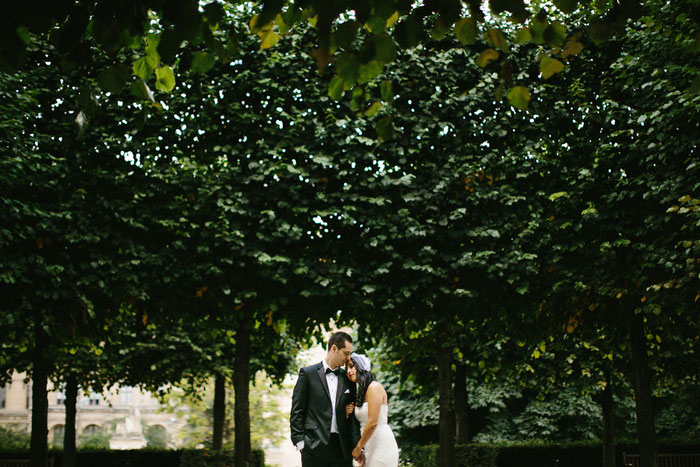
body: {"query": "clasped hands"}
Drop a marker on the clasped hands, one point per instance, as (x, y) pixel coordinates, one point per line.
(359, 456)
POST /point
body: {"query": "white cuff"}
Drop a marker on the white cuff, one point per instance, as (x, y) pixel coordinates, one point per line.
(300, 445)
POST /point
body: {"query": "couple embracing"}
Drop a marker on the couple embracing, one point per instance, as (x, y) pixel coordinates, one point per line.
(339, 412)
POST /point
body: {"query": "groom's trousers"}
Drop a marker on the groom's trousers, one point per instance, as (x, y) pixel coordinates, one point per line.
(331, 456)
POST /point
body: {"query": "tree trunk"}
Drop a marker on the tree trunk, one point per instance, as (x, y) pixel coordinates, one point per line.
(646, 435)
(461, 405)
(606, 404)
(40, 405)
(219, 411)
(241, 380)
(446, 423)
(69, 459)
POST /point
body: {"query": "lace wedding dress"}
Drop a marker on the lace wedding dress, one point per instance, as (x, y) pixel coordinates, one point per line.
(381, 450)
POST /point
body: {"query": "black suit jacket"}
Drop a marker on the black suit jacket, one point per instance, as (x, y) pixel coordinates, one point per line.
(310, 418)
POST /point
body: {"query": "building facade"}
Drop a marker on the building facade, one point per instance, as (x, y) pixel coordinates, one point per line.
(126, 415)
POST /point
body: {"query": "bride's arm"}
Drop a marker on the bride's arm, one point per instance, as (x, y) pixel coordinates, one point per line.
(374, 398)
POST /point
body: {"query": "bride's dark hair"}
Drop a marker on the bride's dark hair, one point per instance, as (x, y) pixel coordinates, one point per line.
(364, 378)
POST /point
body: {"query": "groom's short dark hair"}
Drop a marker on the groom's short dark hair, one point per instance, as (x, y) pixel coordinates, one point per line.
(339, 339)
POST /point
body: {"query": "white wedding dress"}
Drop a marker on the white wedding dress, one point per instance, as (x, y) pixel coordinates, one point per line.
(381, 450)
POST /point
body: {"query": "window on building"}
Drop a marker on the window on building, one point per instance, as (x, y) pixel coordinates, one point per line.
(57, 434)
(126, 395)
(91, 430)
(3, 397)
(90, 399)
(61, 395)
(156, 437)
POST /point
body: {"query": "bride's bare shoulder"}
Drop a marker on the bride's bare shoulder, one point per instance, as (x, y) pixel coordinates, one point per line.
(375, 386)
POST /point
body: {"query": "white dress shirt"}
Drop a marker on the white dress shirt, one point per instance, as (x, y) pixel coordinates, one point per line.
(332, 380)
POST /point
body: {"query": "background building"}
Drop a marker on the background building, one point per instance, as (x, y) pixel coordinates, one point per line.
(126, 415)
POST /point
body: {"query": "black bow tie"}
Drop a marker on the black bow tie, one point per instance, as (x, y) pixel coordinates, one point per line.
(335, 372)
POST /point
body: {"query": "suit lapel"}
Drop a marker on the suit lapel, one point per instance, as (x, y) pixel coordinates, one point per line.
(341, 389)
(322, 376)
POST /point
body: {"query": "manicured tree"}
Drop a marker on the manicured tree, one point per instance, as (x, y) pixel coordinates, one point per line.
(618, 178)
(443, 204)
(245, 256)
(55, 260)
(85, 29)
(71, 229)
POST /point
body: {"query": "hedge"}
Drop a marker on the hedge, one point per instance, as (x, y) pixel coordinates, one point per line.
(530, 455)
(148, 458)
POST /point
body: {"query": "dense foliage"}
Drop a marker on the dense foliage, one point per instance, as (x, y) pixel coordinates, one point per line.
(540, 256)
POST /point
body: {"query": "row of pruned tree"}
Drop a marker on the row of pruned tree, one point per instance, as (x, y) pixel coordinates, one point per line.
(211, 234)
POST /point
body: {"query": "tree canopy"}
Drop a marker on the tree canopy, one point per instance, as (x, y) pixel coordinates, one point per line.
(359, 38)
(255, 202)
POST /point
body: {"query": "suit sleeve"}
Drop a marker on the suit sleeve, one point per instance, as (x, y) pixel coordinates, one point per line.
(300, 396)
(354, 431)
(354, 423)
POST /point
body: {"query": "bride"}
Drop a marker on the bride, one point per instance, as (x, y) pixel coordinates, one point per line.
(371, 410)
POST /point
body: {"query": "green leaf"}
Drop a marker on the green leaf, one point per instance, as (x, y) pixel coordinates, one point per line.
(369, 71)
(373, 109)
(291, 16)
(385, 130)
(557, 195)
(550, 66)
(271, 8)
(202, 62)
(408, 33)
(282, 26)
(141, 90)
(385, 8)
(439, 31)
(384, 47)
(376, 24)
(113, 78)
(599, 32)
(498, 94)
(566, 6)
(152, 41)
(555, 34)
(358, 99)
(495, 38)
(695, 85)
(346, 33)
(486, 56)
(256, 26)
(466, 31)
(538, 25)
(571, 48)
(387, 91)
(268, 39)
(23, 33)
(523, 35)
(336, 88)
(169, 45)
(144, 66)
(348, 68)
(214, 13)
(519, 97)
(165, 79)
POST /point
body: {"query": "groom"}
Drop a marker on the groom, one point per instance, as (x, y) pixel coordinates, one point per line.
(320, 429)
